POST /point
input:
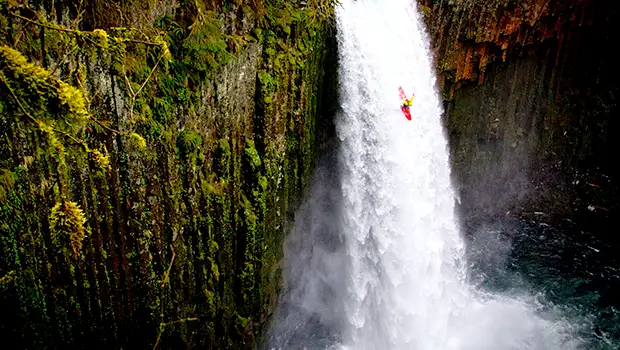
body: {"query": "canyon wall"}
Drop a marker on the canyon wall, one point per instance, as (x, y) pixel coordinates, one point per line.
(530, 91)
(153, 153)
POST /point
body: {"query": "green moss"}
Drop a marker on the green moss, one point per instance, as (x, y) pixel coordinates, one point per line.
(189, 141)
(7, 278)
(213, 187)
(224, 147)
(102, 161)
(241, 323)
(7, 181)
(67, 227)
(41, 89)
(211, 302)
(252, 154)
(138, 140)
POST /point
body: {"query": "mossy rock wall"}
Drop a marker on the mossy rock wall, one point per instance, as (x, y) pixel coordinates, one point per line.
(530, 91)
(152, 156)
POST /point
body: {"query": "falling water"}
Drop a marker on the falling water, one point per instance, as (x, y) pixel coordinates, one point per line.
(376, 260)
(398, 208)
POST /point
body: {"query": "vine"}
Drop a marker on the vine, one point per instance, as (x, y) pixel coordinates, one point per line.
(163, 325)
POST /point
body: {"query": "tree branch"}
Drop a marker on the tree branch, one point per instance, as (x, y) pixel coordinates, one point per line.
(135, 95)
(64, 58)
(107, 127)
(76, 31)
(162, 327)
(167, 274)
(59, 28)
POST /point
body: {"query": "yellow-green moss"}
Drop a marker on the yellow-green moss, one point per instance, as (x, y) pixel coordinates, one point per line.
(39, 84)
(67, 227)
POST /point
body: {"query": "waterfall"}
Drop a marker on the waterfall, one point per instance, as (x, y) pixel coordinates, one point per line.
(398, 203)
(376, 260)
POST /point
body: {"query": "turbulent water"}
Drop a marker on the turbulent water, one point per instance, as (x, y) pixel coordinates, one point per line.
(376, 260)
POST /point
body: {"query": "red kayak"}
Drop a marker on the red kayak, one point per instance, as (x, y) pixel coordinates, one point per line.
(403, 97)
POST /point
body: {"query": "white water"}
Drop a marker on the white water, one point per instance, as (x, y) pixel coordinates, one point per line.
(397, 279)
(406, 254)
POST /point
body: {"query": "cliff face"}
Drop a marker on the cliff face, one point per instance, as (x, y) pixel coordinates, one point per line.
(530, 91)
(152, 155)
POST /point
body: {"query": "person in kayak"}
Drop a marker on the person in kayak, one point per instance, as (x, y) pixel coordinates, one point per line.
(407, 103)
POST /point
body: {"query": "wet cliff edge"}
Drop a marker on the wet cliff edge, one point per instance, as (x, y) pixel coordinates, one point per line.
(530, 95)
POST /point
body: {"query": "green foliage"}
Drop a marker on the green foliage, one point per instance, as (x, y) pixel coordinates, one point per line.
(224, 147)
(247, 276)
(266, 79)
(102, 161)
(67, 227)
(138, 140)
(189, 142)
(150, 128)
(205, 46)
(7, 181)
(199, 47)
(252, 154)
(165, 50)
